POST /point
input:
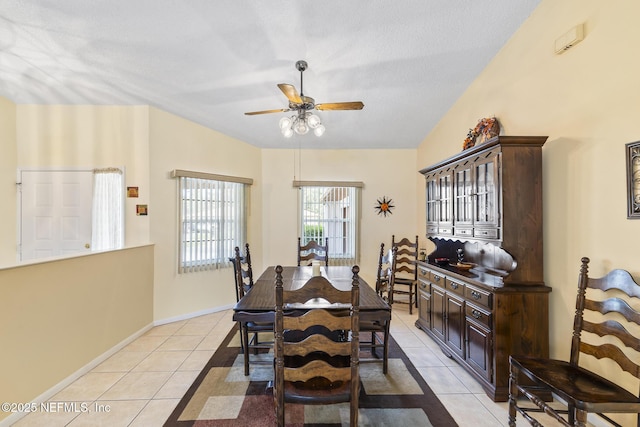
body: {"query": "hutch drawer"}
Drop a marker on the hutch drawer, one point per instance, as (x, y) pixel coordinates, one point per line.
(478, 296)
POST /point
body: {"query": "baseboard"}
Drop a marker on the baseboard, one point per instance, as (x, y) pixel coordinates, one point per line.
(192, 315)
(47, 395)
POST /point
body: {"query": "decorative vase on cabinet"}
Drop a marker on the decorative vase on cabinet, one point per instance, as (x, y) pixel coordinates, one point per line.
(485, 204)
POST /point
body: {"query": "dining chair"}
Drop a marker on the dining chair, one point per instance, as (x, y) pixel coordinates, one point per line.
(605, 329)
(385, 270)
(379, 330)
(406, 272)
(316, 352)
(313, 251)
(261, 323)
(242, 270)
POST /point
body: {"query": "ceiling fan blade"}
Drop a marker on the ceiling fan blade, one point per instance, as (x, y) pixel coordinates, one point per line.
(290, 92)
(253, 113)
(356, 105)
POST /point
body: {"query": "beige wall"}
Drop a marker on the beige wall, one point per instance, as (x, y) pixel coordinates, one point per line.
(8, 177)
(50, 136)
(586, 101)
(180, 144)
(58, 316)
(390, 173)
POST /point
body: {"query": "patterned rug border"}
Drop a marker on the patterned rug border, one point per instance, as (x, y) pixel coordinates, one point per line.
(225, 356)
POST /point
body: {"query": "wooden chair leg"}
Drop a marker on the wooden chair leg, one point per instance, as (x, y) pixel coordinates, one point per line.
(513, 394)
(255, 343)
(410, 299)
(571, 414)
(355, 391)
(373, 343)
(245, 333)
(581, 418)
(242, 345)
(385, 350)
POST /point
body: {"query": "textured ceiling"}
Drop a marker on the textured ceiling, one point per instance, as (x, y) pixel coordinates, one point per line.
(211, 61)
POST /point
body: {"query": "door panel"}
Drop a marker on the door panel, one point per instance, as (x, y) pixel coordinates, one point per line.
(437, 312)
(55, 213)
(454, 307)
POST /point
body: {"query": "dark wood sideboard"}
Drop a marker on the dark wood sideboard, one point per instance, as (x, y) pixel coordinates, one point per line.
(486, 204)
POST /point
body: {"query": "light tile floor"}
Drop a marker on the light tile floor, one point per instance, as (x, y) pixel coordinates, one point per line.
(140, 385)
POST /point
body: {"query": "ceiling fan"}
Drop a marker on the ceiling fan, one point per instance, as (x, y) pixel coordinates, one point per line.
(302, 105)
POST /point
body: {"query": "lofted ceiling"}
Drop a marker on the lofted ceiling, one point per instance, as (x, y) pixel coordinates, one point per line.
(210, 61)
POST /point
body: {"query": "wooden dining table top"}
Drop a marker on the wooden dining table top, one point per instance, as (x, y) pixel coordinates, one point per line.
(262, 297)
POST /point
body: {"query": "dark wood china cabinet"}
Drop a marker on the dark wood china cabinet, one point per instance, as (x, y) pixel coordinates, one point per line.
(485, 204)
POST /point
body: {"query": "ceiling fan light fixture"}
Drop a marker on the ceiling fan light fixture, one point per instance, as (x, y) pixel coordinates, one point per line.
(313, 121)
(303, 119)
(288, 132)
(285, 123)
(300, 126)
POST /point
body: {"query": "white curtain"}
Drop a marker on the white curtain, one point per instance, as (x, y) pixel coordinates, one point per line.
(107, 231)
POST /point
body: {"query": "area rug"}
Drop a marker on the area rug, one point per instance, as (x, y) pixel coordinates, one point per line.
(222, 396)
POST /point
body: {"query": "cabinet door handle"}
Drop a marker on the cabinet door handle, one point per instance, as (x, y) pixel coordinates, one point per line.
(436, 278)
(423, 286)
(476, 294)
(476, 314)
(454, 285)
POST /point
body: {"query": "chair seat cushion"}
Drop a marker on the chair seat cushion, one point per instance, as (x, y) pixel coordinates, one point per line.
(256, 326)
(584, 388)
(371, 325)
(317, 391)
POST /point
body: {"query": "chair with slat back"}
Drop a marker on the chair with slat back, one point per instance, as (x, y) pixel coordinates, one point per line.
(261, 323)
(316, 353)
(406, 272)
(386, 261)
(607, 311)
(379, 338)
(242, 271)
(313, 251)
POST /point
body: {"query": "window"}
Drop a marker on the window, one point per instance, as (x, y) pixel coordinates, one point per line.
(212, 219)
(331, 211)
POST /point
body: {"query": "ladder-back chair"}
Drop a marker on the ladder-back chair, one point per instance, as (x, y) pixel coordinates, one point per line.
(406, 272)
(605, 326)
(379, 338)
(261, 323)
(316, 353)
(313, 251)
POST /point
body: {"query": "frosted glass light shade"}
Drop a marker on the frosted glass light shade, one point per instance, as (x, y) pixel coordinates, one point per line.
(313, 121)
(300, 124)
(301, 127)
(285, 123)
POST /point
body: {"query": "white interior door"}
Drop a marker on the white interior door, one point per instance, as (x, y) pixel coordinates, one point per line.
(55, 213)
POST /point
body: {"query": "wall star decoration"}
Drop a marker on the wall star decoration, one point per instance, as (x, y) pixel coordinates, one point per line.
(384, 206)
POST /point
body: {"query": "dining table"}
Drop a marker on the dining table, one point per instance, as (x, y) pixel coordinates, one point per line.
(261, 298)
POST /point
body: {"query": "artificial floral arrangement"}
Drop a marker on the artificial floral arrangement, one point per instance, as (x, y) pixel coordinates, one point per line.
(485, 129)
